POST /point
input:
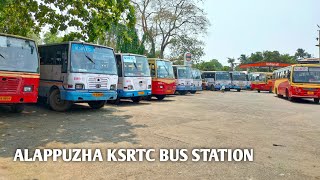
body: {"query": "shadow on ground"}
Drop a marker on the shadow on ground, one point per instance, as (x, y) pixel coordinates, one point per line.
(38, 126)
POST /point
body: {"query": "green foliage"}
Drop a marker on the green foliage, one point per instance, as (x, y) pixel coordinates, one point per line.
(231, 61)
(50, 38)
(267, 56)
(183, 44)
(301, 54)
(212, 65)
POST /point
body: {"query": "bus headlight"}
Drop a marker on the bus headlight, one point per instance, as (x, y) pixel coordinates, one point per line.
(28, 89)
(161, 87)
(149, 86)
(130, 87)
(79, 86)
(113, 87)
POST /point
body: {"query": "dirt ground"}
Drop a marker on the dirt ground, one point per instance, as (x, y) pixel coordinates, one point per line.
(285, 137)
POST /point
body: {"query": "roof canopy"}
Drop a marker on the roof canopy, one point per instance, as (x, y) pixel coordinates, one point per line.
(264, 64)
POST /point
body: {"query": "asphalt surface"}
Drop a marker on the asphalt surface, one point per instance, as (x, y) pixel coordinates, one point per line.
(285, 137)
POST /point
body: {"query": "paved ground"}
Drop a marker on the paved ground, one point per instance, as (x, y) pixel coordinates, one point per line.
(205, 120)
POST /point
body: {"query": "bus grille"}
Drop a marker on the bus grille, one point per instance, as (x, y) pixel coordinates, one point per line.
(98, 83)
(9, 85)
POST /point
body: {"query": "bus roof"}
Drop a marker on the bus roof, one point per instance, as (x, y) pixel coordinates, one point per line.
(130, 54)
(16, 36)
(79, 42)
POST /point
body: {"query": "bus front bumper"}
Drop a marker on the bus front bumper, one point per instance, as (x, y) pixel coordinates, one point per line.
(6, 98)
(79, 96)
(183, 88)
(128, 94)
(220, 86)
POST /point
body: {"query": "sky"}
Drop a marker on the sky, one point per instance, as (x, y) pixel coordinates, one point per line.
(247, 26)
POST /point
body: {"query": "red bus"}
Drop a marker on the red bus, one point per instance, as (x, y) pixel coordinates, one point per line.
(298, 81)
(19, 71)
(163, 80)
(262, 82)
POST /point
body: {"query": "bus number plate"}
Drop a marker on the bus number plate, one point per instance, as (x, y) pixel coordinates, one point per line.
(141, 93)
(97, 94)
(310, 93)
(5, 98)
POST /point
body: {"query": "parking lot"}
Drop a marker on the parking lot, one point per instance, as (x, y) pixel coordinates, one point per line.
(285, 137)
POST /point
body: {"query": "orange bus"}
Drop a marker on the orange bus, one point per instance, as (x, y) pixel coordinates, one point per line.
(163, 80)
(19, 71)
(298, 81)
(262, 82)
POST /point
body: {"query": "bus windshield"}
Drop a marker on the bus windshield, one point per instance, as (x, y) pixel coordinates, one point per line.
(136, 66)
(164, 69)
(196, 74)
(92, 59)
(222, 76)
(239, 76)
(184, 72)
(18, 55)
(306, 75)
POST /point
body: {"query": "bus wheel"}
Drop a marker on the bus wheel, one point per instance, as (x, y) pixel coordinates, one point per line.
(96, 104)
(316, 100)
(270, 90)
(160, 97)
(193, 92)
(17, 108)
(136, 99)
(148, 98)
(182, 92)
(288, 96)
(258, 90)
(212, 88)
(56, 103)
(238, 90)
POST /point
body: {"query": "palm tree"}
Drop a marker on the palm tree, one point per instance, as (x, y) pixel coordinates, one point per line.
(231, 62)
(244, 59)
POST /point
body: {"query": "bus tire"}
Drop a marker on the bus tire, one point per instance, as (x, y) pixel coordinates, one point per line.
(238, 90)
(56, 103)
(160, 97)
(212, 88)
(17, 108)
(193, 92)
(183, 92)
(270, 90)
(97, 104)
(148, 98)
(316, 100)
(288, 96)
(258, 90)
(136, 99)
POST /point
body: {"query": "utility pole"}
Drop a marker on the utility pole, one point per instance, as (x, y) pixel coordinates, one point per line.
(318, 38)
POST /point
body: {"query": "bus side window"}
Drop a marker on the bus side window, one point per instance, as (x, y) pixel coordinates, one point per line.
(119, 65)
(152, 70)
(64, 59)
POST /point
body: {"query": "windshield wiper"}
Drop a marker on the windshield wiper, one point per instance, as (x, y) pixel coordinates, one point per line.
(166, 70)
(85, 54)
(2, 56)
(135, 65)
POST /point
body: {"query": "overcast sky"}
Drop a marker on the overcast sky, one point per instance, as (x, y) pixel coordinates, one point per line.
(246, 26)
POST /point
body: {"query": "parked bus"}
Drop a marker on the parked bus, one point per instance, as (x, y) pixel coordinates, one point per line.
(19, 71)
(74, 72)
(197, 80)
(184, 80)
(208, 79)
(163, 81)
(298, 81)
(238, 80)
(134, 77)
(262, 82)
(218, 80)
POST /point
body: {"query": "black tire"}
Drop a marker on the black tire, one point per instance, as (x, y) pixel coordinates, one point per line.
(160, 97)
(259, 91)
(116, 101)
(316, 100)
(212, 88)
(136, 99)
(270, 90)
(288, 96)
(148, 98)
(17, 108)
(56, 103)
(193, 92)
(183, 92)
(238, 90)
(96, 104)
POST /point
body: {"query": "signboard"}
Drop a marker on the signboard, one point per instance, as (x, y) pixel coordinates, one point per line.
(129, 59)
(188, 59)
(300, 69)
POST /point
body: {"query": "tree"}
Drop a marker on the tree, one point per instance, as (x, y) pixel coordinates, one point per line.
(50, 38)
(244, 59)
(231, 61)
(88, 19)
(183, 44)
(165, 20)
(301, 54)
(212, 65)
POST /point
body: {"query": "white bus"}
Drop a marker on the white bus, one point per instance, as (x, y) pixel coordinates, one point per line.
(184, 80)
(134, 77)
(239, 80)
(197, 80)
(216, 80)
(74, 72)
